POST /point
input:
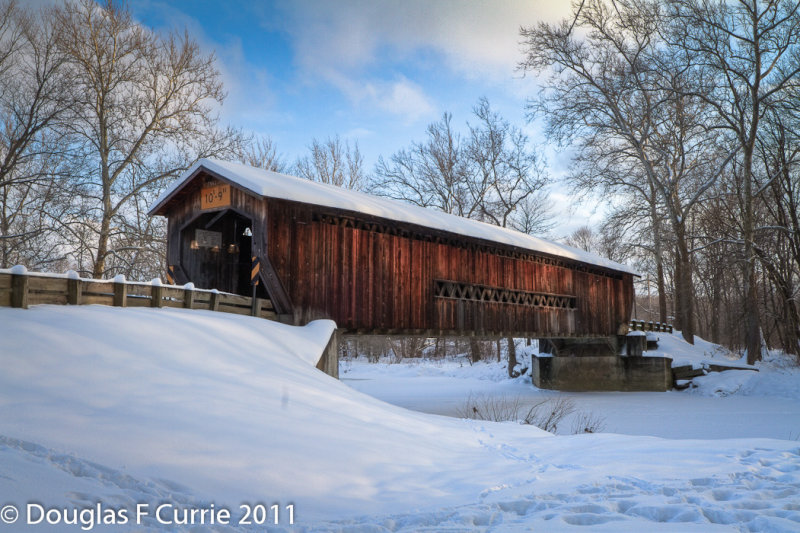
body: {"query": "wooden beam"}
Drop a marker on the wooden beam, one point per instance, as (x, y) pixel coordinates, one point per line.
(120, 294)
(217, 218)
(188, 298)
(277, 293)
(213, 303)
(19, 291)
(155, 296)
(74, 291)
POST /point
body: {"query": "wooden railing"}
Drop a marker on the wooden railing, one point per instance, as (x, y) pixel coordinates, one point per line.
(641, 325)
(19, 288)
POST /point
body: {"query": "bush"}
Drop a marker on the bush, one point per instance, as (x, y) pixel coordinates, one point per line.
(545, 414)
(585, 422)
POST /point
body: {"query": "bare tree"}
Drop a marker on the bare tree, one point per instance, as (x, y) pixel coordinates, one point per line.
(582, 238)
(778, 230)
(690, 156)
(507, 174)
(262, 152)
(34, 93)
(594, 98)
(143, 113)
(747, 54)
(616, 93)
(335, 163)
(11, 35)
(431, 173)
(496, 175)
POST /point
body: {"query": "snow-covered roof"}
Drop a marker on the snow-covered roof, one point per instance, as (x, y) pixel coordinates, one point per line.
(281, 186)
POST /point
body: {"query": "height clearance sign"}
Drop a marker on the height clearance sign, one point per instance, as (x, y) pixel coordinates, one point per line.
(213, 197)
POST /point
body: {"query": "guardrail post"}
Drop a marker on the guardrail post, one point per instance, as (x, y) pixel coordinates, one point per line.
(74, 288)
(19, 288)
(213, 304)
(155, 295)
(188, 296)
(120, 292)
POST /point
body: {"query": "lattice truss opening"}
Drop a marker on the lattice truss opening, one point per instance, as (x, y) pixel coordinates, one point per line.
(482, 293)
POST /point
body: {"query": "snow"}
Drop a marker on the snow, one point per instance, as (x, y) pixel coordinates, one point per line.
(19, 270)
(120, 278)
(699, 355)
(777, 378)
(125, 406)
(281, 186)
(768, 407)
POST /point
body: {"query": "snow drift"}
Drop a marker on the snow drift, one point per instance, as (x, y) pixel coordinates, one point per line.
(126, 406)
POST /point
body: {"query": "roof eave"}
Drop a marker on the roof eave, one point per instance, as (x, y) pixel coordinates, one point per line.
(200, 167)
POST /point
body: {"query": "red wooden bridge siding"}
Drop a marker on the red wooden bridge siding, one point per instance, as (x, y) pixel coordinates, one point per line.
(373, 281)
(377, 276)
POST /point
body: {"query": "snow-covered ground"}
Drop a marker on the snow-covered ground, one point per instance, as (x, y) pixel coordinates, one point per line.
(103, 409)
(732, 404)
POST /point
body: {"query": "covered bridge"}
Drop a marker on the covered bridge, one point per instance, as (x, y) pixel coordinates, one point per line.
(379, 266)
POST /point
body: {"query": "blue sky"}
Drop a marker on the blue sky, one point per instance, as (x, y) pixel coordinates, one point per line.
(371, 71)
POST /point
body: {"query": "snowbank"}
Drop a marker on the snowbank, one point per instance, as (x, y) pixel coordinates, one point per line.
(102, 405)
(778, 377)
(229, 406)
(698, 354)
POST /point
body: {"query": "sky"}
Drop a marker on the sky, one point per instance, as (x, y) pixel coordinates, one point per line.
(375, 72)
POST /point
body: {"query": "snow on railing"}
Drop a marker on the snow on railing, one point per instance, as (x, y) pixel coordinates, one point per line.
(20, 288)
(641, 325)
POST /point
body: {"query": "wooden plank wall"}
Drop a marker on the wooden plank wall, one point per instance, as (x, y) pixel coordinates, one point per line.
(378, 282)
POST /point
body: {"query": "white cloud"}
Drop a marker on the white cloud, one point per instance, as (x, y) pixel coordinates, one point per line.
(358, 46)
(475, 37)
(400, 97)
(405, 98)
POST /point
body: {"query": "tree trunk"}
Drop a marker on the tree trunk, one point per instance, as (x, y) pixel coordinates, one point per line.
(99, 268)
(4, 227)
(102, 248)
(662, 292)
(474, 350)
(716, 303)
(512, 358)
(752, 332)
(677, 297)
(683, 285)
(658, 252)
